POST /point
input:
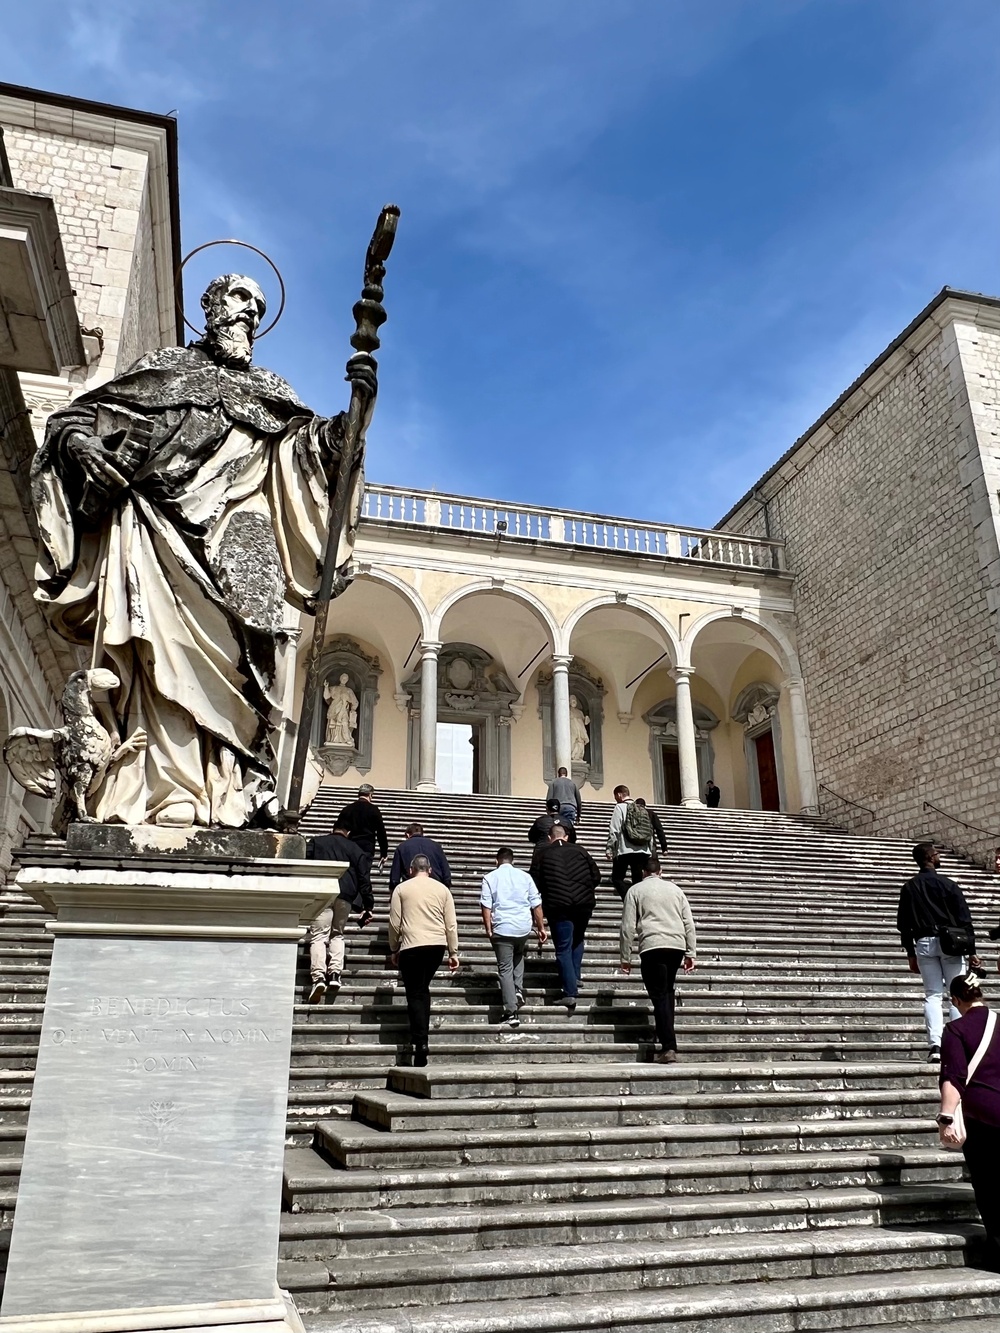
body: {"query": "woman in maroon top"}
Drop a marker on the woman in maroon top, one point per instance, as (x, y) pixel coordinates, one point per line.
(980, 1099)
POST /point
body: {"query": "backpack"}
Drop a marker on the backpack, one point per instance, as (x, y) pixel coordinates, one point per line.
(638, 827)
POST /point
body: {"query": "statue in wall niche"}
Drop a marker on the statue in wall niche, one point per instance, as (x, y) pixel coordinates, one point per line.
(341, 712)
(579, 733)
(186, 510)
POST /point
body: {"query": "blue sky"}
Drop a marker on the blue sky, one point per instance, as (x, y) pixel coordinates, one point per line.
(644, 243)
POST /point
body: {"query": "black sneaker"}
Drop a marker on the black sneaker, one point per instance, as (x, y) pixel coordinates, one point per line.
(317, 992)
(334, 981)
(511, 1021)
(519, 997)
(569, 1001)
(934, 1055)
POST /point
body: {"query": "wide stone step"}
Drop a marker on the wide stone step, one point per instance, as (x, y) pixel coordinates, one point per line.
(594, 1079)
(813, 1303)
(311, 1184)
(560, 1270)
(386, 1110)
(356, 1145)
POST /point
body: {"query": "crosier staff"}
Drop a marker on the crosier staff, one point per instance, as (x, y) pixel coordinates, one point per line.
(369, 316)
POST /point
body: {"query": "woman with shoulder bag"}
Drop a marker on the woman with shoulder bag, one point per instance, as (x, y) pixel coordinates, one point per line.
(970, 1096)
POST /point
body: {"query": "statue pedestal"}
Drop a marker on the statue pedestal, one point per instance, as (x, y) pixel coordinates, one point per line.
(150, 1193)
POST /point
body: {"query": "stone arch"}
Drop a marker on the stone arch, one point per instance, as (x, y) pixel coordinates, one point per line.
(374, 574)
(779, 644)
(497, 587)
(627, 602)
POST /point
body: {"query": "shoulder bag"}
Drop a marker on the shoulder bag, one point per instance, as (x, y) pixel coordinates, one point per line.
(958, 1117)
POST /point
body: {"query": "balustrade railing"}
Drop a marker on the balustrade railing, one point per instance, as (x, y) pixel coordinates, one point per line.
(391, 504)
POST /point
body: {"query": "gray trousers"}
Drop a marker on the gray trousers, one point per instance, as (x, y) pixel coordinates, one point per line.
(326, 940)
(510, 950)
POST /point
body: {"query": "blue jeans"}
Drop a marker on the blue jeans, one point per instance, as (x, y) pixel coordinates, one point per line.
(938, 971)
(567, 813)
(567, 938)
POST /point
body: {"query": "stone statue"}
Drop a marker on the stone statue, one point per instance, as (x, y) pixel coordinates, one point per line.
(579, 735)
(184, 509)
(341, 712)
(74, 757)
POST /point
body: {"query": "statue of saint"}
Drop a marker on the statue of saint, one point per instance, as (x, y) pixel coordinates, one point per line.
(183, 509)
(579, 736)
(341, 712)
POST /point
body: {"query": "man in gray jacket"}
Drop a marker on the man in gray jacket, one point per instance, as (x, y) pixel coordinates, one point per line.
(657, 916)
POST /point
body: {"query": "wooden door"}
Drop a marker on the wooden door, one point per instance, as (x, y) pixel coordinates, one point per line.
(767, 772)
(671, 776)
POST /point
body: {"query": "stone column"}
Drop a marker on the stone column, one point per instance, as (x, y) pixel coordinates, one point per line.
(562, 745)
(427, 770)
(808, 794)
(687, 749)
(150, 1194)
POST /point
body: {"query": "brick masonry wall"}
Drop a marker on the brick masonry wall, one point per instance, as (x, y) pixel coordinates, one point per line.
(891, 535)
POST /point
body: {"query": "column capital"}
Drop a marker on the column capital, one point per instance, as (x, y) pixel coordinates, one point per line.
(679, 673)
(562, 661)
(793, 683)
(429, 648)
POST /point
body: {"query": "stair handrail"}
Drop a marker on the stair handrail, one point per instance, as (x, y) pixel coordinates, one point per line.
(969, 851)
(847, 800)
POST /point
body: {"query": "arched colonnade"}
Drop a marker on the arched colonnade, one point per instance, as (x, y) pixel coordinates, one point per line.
(680, 668)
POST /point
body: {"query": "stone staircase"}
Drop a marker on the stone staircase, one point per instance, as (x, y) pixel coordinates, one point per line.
(784, 1176)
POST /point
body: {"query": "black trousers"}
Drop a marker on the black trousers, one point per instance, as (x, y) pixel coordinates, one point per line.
(417, 967)
(659, 971)
(634, 864)
(982, 1156)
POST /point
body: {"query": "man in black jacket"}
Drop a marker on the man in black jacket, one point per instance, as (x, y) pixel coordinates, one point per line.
(364, 824)
(566, 875)
(326, 934)
(416, 844)
(542, 827)
(930, 903)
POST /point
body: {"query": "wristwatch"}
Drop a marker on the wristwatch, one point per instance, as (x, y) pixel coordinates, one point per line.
(945, 1120)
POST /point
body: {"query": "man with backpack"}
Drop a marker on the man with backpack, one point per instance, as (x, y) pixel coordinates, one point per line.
(630, 841)
(935, 927)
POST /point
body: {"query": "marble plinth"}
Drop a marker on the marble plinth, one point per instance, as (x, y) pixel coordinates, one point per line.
(150, 1192)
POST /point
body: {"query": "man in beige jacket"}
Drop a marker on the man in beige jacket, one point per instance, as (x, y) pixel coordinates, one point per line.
(656, 915)
(422, 927)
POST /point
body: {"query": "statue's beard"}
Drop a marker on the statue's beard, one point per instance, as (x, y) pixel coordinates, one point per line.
(231, 343)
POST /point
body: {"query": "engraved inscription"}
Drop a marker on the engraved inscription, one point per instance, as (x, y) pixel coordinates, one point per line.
(152, 1046)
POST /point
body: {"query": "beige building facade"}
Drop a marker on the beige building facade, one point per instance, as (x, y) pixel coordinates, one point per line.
(654, 656)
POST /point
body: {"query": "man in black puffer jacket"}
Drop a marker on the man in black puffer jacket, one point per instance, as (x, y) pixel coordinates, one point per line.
(566, 875)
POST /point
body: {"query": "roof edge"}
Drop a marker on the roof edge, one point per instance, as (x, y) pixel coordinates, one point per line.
(168, 124)
(945, 294)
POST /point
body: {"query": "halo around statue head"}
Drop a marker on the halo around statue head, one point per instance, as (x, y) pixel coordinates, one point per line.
(246, 246)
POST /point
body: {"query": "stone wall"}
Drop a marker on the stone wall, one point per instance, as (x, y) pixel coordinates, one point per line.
(890, 523)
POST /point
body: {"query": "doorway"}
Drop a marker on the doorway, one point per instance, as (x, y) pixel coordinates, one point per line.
(457, 768)
(767, 771)
(671, 775)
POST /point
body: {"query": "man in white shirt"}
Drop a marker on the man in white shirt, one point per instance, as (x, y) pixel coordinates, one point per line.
(512, 908)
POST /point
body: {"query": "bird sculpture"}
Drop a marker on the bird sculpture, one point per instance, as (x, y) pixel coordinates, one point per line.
(74, 757)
